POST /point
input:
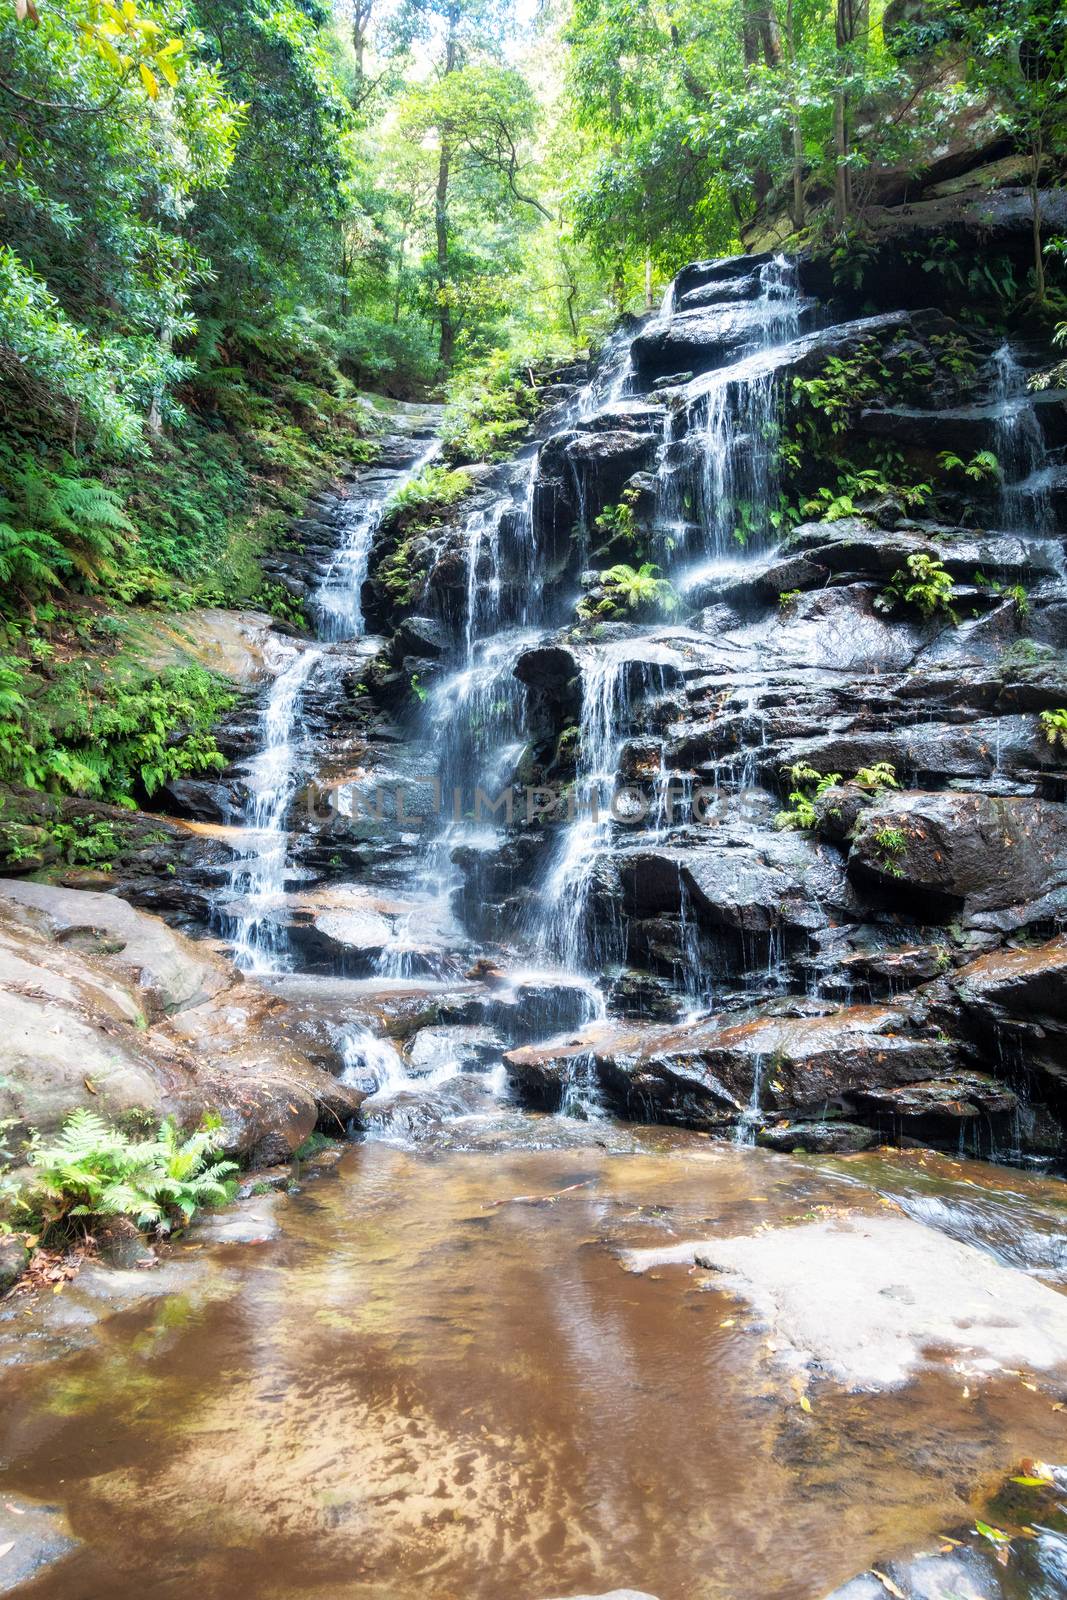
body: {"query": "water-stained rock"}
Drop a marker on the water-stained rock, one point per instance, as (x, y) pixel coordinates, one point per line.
(705, 1075)
(1001, 861)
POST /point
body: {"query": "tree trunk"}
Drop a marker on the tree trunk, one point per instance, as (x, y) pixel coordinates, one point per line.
(649, 302)
(797, 135)
(1036, 154)
(440, 218)
(841, 196)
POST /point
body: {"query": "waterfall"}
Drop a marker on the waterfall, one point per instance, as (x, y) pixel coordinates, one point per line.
(1019, 446)
(337, 602)
(257, 877)
(722, 507)
(563, 918)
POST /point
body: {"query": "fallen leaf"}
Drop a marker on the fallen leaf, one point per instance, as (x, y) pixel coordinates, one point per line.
(805, 1403)
(1033, 1483)
(16, 1511)
(994, 1535)
(888, 1584)
(952, 1543)
(90, 1085)
(728, 1322)
(5, 1549)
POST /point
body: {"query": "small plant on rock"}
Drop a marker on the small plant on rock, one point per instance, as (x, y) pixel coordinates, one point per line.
(891, 843)
(788, 599)
(1054, 727)
(982, 466)
(922, 583)
(880, 775)
(619, 521)
(638, 587)
(93, 1171)
(808, 784)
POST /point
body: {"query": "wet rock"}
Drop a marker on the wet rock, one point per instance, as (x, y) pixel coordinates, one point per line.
(640, 994)
(1013, 1008)
(961, 429)
(81, 987)
(819, 1138)
(698, 339)
(552, 669)
(1024, 983)
(202, 799)
(698, 274)
(464, 1049)
(14, 1259)
(254, 1221)
(537, 1007)
(873, 1299)
(854, 545)
(727, 291)
(839, 808)
(927, 752)
(1001, 861)
(236, 644)
(704, 1075)
(170, 970)
(34, 1535)
(890, 971)
(957, 1097)
(424, 637)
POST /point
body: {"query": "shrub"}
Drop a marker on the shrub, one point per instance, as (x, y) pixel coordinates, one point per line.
(1054, 727)
(105, 736)
(58, 529)
(808, 784)
(93, 1171)
(491, 405)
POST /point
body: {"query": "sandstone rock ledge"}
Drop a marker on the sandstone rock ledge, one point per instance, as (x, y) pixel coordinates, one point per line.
(104, 1006)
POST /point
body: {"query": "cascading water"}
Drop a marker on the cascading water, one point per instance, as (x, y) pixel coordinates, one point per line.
(272, 777)
(257, 878)
(337, 602)
(1019, 446)
(724, 506)
(563, 923)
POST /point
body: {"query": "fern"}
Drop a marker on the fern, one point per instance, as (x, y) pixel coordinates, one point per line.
(56, 527)
(93, 1171)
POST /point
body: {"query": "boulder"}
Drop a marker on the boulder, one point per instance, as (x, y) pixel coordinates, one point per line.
(425, 637)
(699, 340)
(818, 1138)
(727, 291)
(1000, 861)
(104, 1007)
(168, 969)
(1012, 1004)
(855, 545)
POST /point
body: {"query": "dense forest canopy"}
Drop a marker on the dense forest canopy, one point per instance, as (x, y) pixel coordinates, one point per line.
(223, 219)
